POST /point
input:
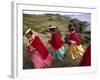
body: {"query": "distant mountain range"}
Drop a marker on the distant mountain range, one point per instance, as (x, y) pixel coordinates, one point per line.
(82, 17)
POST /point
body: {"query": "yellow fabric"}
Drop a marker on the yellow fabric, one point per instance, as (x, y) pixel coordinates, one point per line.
(75, 51)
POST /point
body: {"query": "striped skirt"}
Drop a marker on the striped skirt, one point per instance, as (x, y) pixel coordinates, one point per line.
(59, 53)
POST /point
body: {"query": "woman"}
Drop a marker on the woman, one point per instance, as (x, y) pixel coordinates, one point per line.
(86, 60)
(74, 44)
(56, 43)
(40, 55)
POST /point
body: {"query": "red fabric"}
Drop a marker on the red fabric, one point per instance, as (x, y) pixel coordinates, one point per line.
(56, 41)
(86, 61)
(73, 36)
(39, 46)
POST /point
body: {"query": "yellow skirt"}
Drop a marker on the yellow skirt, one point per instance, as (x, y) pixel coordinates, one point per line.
(75, 51)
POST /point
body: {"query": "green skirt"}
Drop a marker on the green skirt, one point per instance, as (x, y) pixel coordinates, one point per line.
(59, 53)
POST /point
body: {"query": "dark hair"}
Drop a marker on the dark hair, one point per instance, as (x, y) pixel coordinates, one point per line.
(71, 27)
(52, 29)
(30, 32)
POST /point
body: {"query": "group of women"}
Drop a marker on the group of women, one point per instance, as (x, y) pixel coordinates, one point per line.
(42, 57)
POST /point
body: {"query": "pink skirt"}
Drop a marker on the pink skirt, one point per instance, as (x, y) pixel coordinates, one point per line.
(39, 62)
(48, 61)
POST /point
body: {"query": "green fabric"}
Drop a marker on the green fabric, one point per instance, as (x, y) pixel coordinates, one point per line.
(59, 53)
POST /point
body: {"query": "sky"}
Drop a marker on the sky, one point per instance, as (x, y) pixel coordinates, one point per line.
(82, 17)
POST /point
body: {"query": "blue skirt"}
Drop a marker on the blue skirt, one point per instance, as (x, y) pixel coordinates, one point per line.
(59, 53)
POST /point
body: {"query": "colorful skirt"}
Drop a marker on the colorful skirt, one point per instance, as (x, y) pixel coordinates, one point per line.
(39, 62)
(86, 60)
(75, 51)
(59, 53)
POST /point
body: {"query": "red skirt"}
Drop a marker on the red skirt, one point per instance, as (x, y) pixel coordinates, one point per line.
(86, 60)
